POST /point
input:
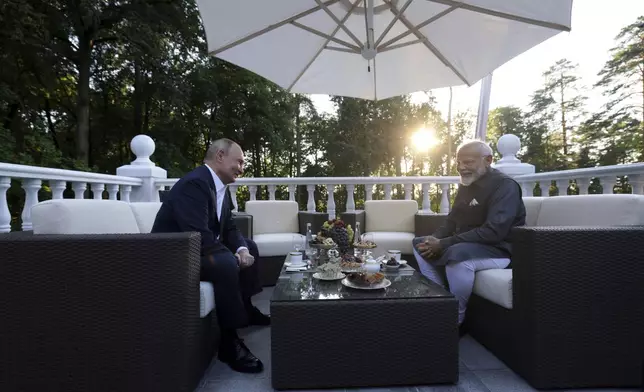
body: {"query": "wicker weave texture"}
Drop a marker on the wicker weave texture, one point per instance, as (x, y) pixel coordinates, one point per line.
(577, 316)
(364, 343)
(100, 313)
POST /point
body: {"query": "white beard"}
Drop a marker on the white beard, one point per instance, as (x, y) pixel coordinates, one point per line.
(467, 181)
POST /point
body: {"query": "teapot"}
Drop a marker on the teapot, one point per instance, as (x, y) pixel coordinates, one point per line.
(371, 265)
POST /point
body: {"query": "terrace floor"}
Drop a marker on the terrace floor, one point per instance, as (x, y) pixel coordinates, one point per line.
(480, 371)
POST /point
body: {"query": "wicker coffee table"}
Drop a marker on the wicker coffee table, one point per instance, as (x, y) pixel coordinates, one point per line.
(325, 335)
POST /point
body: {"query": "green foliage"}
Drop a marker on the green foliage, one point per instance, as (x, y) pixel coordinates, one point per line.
(80, 79)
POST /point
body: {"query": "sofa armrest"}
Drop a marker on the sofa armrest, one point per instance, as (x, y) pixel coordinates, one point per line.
(427, 224)
(579, 284)
(244, 223)
(351, 218)
(115, 307)
(316, 219)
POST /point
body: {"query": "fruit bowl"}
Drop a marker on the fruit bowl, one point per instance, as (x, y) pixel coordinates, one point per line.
(365, 245)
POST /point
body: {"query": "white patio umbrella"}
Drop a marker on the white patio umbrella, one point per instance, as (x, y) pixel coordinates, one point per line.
(376, 49)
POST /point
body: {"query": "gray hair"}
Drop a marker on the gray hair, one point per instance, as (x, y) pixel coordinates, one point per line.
(219, 145)
(483, 148)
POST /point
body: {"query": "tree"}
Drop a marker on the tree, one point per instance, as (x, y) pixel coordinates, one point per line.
(622, 77)
(558, 104)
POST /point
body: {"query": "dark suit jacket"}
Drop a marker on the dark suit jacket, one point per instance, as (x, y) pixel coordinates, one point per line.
(191, 205)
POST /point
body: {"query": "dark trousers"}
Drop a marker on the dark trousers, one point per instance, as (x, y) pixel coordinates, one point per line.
(234, 286)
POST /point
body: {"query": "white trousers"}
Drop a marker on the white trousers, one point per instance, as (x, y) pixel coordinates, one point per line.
(460, 275)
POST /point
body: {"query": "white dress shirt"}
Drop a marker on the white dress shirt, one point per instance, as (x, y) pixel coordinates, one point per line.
(220, 189)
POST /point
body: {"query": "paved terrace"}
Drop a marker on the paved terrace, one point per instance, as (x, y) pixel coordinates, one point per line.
(480, 371)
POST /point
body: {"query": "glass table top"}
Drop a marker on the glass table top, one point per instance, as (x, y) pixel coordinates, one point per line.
(406, 283)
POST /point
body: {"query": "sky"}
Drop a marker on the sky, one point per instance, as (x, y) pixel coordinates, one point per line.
(595, 23)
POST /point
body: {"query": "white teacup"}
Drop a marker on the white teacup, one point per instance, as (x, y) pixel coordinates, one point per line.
(295, 258)
(393, 253)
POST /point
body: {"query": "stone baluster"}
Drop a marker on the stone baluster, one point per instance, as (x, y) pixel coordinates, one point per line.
(330, 202)
(351, 203)
(310, 203)
(252, 189)
(544, 186)
(444, 198)
(233, 195)
(112, 191)
(271, 192)
(97, 190)
(636, 181)
(126, 190)
(57, 189)
(31, 187)
(5, 216)
(607, 184)
(582, 185)
(408, 191)
(79, 189)
(292, 188)
(368, 190)
(387, 191)
(426, 203)
(527, 188)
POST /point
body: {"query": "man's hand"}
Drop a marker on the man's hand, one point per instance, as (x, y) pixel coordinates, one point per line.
(431, 247)
(245, 259)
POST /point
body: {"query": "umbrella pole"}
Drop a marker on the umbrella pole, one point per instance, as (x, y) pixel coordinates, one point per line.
(484, 108)
(449, 134)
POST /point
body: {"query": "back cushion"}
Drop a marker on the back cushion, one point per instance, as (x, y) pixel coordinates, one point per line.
(592, 210)
(390, 215)
(145, 214)
(532, 209)
(273, 216)
(72, 216)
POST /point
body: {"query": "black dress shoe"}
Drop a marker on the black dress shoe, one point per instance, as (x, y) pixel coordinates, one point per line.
(238, 357)
(255, 317)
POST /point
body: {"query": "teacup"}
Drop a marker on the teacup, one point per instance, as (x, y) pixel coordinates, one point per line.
(295, 258)
(393, 254)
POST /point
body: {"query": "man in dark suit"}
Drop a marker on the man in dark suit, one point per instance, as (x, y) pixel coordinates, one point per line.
(200, 201)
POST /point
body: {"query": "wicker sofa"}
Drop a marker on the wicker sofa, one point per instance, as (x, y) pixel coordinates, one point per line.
(93, 302)
(568, 312)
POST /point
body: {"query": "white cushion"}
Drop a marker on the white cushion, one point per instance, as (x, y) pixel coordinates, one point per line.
(495, 285)
(206, 298)
(76, 216)
(273, 216)
(390, 215)
(390, 240)
(532, 209)
(145, 214)
(592, 210)
(277, 244)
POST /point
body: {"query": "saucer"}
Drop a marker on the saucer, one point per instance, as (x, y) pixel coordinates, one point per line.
(301, 264)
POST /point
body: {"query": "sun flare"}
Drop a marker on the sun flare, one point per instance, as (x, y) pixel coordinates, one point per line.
(423, 139)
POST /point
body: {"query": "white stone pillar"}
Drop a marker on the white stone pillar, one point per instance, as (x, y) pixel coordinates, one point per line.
(142, 167)
(509, 146)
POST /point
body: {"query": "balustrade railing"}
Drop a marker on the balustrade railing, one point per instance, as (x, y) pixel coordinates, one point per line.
(414, 188)
(33, 179)
(147, 181)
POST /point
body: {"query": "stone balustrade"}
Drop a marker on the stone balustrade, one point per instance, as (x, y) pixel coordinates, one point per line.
(142, 180)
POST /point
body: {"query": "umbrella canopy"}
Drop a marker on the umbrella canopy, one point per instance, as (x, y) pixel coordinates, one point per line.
(376, 49)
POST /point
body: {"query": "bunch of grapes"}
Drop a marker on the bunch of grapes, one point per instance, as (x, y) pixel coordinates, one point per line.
(341, 233)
